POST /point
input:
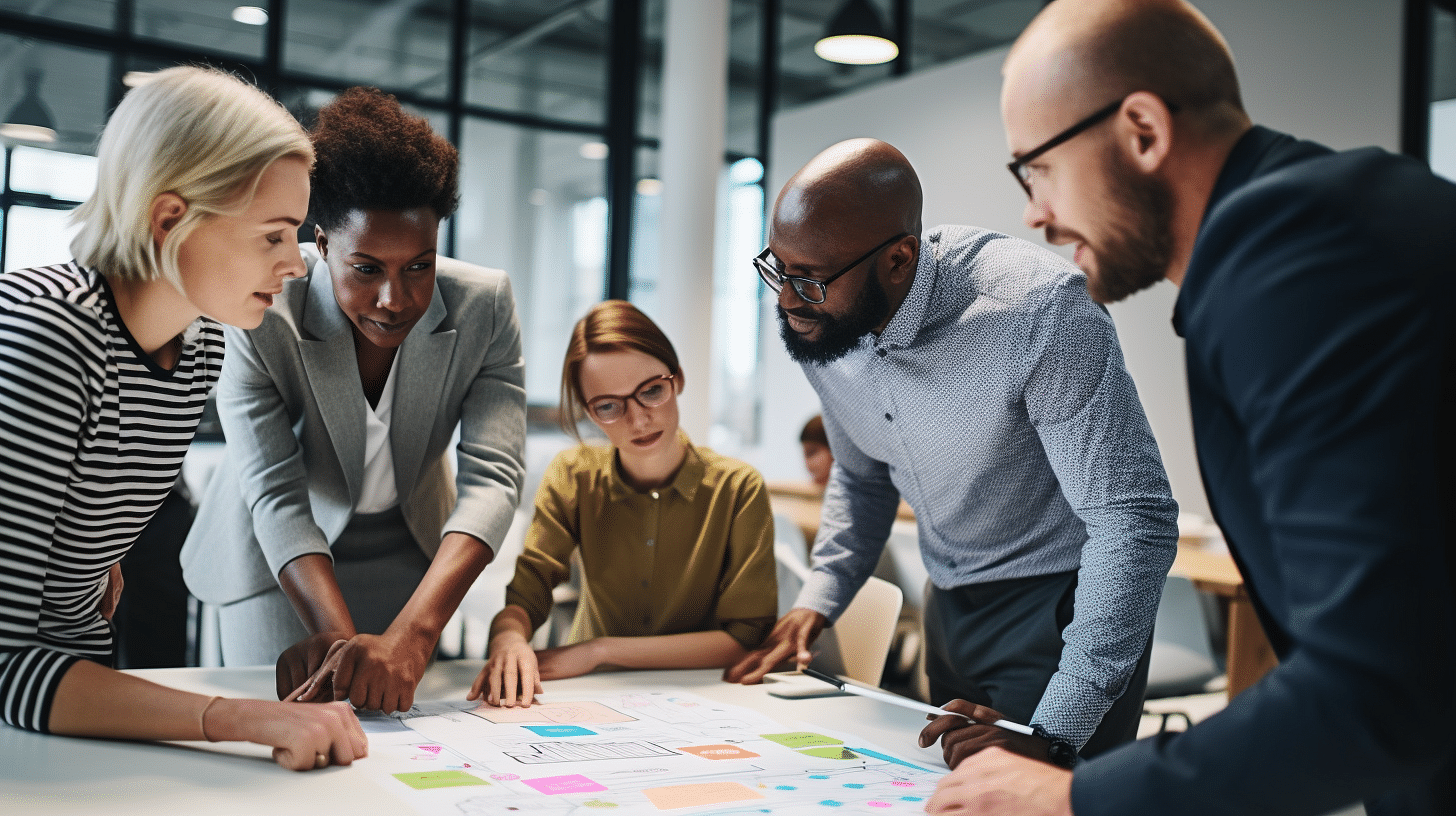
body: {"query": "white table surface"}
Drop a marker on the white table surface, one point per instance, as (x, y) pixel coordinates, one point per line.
(42, 774)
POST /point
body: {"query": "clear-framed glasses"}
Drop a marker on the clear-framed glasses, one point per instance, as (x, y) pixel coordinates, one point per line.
(1018, 167)
(650, 394)
(809, 290)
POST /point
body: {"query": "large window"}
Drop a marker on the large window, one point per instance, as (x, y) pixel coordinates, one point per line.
(1441, 128)
(531, 91)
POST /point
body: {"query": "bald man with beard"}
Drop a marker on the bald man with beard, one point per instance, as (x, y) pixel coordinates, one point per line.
(1315, 302)
(969, 372)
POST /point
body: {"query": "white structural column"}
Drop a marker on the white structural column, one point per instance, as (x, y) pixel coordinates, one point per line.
(694, 105)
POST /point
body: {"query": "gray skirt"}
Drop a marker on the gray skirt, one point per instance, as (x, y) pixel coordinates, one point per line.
(378, 566)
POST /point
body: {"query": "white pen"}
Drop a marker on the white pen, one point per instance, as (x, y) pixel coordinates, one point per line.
(906, 702)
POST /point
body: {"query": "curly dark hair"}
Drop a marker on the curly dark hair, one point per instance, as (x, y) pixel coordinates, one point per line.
(372, 155)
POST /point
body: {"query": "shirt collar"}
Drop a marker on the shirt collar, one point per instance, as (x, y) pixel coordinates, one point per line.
(689, 477)
(904, 326)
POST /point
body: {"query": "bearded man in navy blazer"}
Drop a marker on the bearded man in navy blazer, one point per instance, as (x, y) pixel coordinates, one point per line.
(1315, 302)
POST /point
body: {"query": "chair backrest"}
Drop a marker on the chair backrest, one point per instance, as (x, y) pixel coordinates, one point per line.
(857, 644)
(902, 563)
(1182, 659)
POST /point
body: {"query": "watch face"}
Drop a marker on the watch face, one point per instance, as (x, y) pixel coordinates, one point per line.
(1059, 751)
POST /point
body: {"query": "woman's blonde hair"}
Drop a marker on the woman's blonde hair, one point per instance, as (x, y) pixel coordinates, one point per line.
(612, 325)
(200, 133)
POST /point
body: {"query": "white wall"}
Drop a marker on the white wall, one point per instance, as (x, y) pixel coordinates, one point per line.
(1327, 70)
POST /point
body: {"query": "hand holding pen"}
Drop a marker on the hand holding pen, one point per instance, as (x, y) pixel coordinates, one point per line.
(966, 728)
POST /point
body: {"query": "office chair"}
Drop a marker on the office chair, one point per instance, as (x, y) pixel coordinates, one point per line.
(1182, 660)
(858, 643)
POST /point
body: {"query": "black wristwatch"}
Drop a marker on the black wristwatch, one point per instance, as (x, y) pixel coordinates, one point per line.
(1059, 751)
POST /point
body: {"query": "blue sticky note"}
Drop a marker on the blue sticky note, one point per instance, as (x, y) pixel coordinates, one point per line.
(560, 730)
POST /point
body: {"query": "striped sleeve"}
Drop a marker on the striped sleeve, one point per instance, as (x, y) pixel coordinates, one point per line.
(43, 407)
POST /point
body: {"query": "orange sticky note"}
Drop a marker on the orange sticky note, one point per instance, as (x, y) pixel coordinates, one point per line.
(719, 752)
(672, 797)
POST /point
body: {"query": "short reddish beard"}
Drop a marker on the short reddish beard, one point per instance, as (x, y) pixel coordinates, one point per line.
(1139, 225)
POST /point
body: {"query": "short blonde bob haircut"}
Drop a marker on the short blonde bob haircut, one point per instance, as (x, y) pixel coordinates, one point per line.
(612, 325)
(200, 133)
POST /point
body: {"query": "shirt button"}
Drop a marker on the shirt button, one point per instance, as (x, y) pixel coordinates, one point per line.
(654, 495)
(651, 541)
(888, 417)
(881, 352)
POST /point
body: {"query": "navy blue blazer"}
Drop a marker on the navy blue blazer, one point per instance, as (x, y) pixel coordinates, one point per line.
(1317, 314)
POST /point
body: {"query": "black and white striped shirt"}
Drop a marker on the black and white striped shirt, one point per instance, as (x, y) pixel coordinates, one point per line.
(92, 434)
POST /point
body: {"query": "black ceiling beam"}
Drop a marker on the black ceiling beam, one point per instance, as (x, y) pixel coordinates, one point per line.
(624, 75)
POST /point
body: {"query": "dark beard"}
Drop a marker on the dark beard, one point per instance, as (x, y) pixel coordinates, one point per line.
(1139, 246)
(838, 336)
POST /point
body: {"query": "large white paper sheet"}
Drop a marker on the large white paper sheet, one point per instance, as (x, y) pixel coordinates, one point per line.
(632, 752)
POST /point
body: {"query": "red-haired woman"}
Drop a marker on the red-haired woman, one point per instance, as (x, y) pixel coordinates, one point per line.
(675, 541)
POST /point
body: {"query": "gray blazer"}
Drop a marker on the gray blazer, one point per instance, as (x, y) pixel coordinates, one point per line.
(292, 409)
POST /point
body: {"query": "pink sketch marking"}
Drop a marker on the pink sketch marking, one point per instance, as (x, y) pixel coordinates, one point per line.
(575, 783)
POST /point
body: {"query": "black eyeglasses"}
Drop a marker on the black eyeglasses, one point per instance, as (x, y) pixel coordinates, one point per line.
(650, 394)
(808, 289)
(1019, 167)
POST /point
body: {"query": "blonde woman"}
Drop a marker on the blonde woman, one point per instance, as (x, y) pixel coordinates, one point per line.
(105, 363)
(675, 541)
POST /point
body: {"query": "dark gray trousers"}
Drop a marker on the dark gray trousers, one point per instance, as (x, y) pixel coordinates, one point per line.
(997, 644)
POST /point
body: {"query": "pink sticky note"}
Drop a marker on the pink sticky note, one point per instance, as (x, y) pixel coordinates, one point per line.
(575, 783)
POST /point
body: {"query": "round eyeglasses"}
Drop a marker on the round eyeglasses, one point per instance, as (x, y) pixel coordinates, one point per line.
(809, 290)
(650, 394)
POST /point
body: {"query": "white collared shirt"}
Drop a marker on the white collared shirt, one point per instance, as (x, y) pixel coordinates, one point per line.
(378, 492)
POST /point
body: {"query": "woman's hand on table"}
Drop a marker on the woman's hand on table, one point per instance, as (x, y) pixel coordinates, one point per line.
(511, 676)
(299, 664)
(303, 737)
(377, 672)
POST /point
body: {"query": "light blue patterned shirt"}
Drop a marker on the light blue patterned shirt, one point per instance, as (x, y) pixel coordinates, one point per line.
(997, 403)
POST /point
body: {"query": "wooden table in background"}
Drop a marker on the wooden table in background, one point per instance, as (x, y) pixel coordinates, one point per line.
(802, 502)
(1249, 655)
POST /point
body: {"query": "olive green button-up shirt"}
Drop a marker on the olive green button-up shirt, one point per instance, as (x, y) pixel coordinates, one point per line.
(694, 556)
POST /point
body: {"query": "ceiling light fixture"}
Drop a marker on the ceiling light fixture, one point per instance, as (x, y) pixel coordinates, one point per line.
(857, 36)
(29, 121)
(594, 151)
(250, 15)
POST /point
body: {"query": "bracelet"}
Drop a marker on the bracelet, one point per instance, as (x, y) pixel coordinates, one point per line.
(202, 719)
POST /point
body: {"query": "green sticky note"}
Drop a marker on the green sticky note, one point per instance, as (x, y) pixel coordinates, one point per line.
(426, 780)
(831, 753)
(801, 739)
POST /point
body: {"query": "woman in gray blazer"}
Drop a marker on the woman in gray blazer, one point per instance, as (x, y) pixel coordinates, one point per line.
(332, 539)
